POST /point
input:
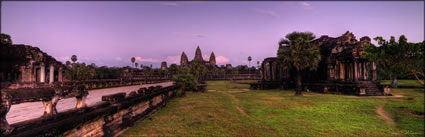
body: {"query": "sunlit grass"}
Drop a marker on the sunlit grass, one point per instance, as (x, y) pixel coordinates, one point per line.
(413, 83)
(280, 113)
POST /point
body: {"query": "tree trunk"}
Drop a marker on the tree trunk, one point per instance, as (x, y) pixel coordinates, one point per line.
(417, 78)
(394, 83)
(298, 91)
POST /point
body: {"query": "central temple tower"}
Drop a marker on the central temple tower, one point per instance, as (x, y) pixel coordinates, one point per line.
(198, 54)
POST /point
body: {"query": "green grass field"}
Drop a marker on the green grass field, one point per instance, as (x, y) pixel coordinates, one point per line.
(233, 110)
(413, 83)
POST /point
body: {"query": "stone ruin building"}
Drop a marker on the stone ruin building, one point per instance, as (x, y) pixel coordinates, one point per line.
(184, 61)
(342, 69)
(27, 66)
(163, 65)
(28, 74)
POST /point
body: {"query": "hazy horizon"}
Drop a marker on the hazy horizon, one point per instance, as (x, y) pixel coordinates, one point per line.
(110, 33)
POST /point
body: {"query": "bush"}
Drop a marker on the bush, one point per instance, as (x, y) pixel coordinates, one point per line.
(186, 82)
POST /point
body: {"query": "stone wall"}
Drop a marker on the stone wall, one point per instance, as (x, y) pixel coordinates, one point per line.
(108, 118)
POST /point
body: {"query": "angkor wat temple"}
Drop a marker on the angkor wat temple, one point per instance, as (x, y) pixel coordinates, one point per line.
(342, 69)
(184, 61)
(244, 73)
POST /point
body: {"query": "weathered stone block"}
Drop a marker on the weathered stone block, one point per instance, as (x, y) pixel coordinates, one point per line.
(362, 91)
(114, 97)
(133, 93)
(387, 90)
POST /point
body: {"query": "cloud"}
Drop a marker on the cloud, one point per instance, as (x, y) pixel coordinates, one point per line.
(64, 58)
(79, 59)
(221, 59)
(118, 58)
(306, 5)
(173, 59)
(267, 12)
(200, 36)
(206, 57)
(218, 59)
(168, 3)
(140, 59)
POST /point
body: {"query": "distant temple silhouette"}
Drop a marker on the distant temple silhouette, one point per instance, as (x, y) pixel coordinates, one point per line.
(184, 61)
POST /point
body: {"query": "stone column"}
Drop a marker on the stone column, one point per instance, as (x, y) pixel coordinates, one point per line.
(52, 74)
(81, 97)
(60, 74)
(34, 74)
(81, 102)
(50, 106)
(5, 101)
(364, 71)
(361, 71)
(373, 71)
(330, 77)
(356, 71)
(350, 70)
(341, 71)
(42, 73)
(336, 72)
(23, 74)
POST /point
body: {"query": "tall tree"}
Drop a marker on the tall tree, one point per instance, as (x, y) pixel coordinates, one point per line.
(297, 51)
(79, 71)
(197, 69)
(173, 69)
(133, 60)
(5, 39)
(74, 58)
(258, 64)
(249, 60)
(397, 58)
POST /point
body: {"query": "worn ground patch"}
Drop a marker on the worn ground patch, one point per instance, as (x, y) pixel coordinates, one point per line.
(393, 96)
(383, 115)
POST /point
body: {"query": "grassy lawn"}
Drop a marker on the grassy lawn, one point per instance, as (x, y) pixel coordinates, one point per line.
(403, 83)
(232, 110)
(246, 81)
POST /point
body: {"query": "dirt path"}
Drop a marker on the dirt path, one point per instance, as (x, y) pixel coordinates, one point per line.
(383, 115)
(393, 96)
(242, 112)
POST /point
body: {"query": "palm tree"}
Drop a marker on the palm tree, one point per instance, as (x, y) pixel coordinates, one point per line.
(249, 60)
(5, 39)
(195, 69)
(74, 58)
(133, 60)
(297, 51)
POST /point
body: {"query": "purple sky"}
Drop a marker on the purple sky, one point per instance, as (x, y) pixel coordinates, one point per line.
(110, 33)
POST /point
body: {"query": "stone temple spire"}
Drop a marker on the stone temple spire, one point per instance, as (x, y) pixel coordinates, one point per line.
(198, 54)
(183, 59)
(212, 59)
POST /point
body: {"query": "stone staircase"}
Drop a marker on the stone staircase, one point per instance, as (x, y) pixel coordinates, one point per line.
(371, 87)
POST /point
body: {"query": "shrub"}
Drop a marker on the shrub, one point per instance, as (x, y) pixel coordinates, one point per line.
(186, 82)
